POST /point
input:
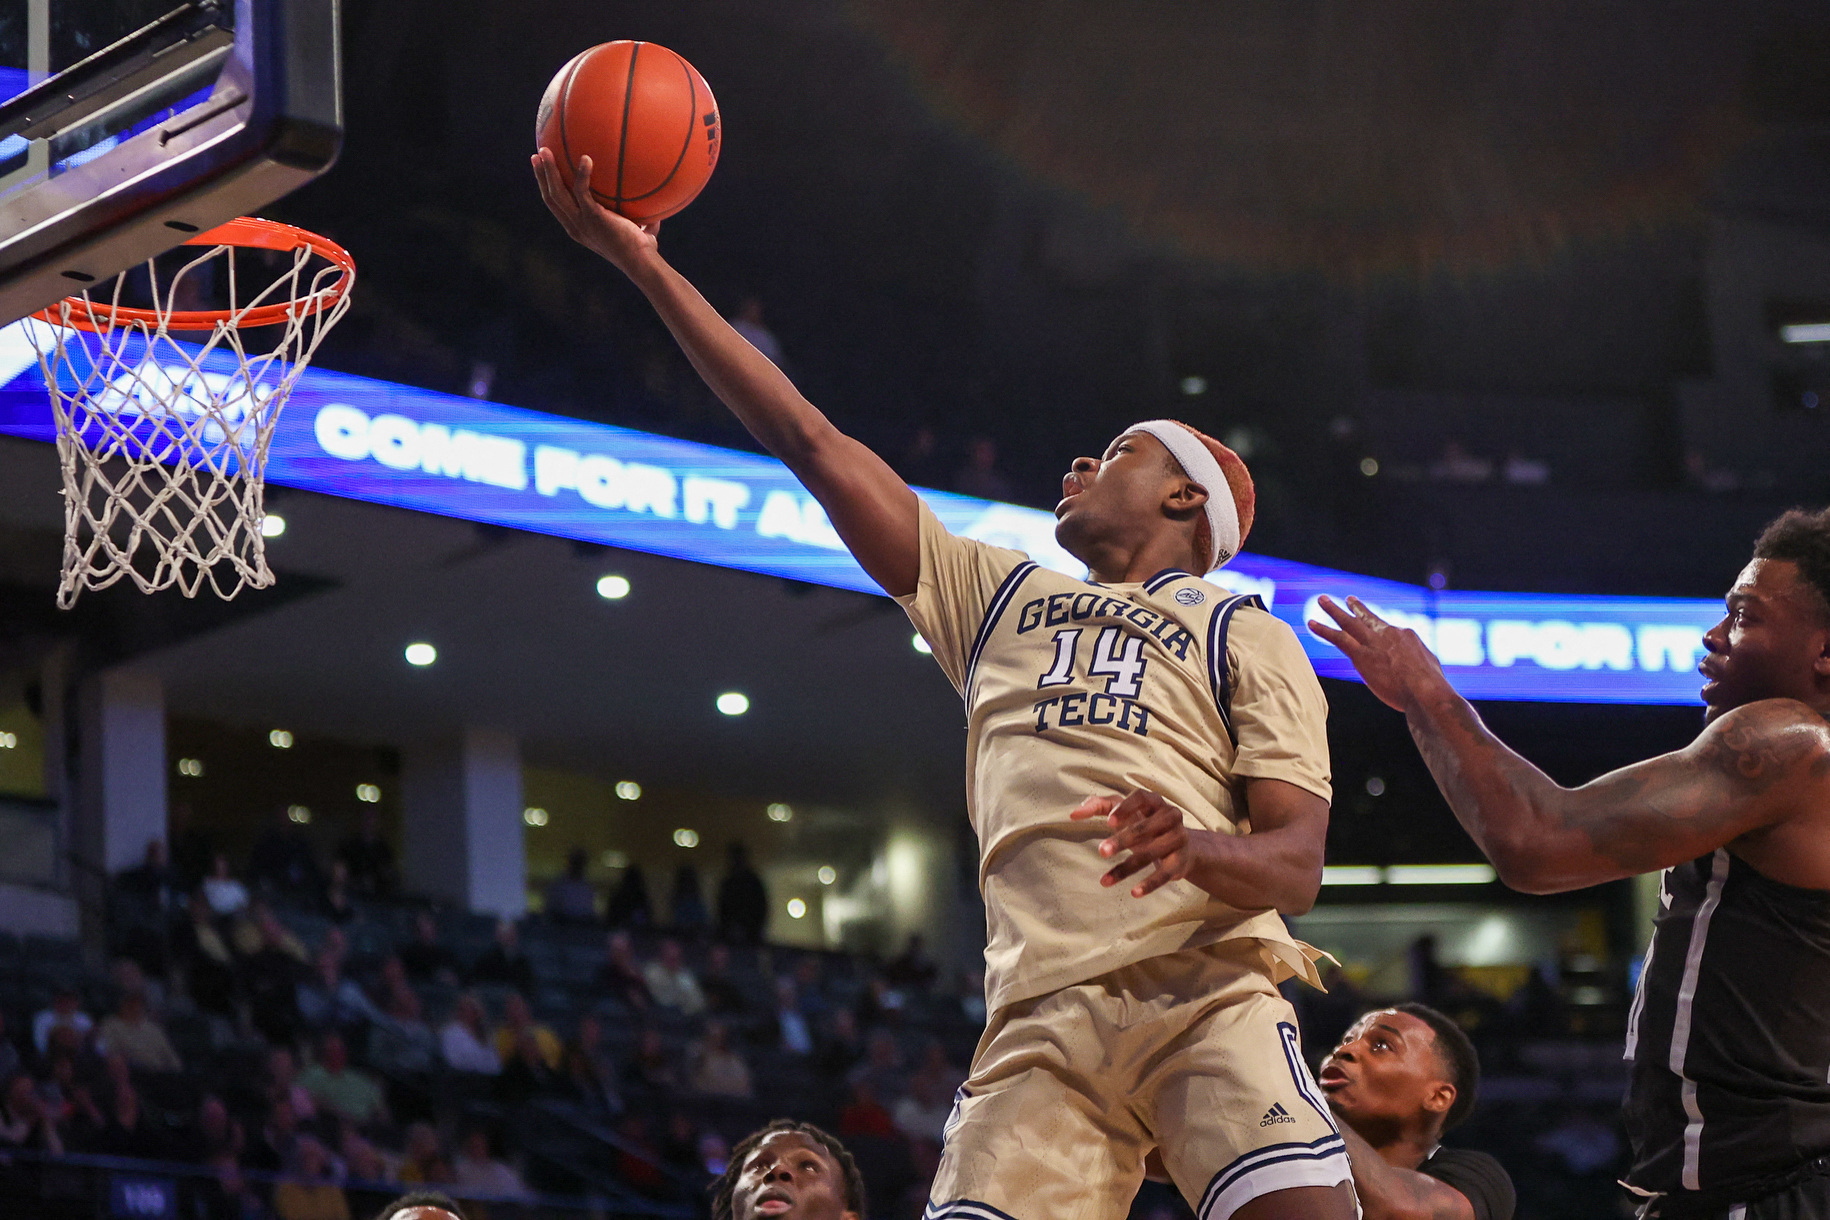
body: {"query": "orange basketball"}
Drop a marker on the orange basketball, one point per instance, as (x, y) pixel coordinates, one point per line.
(645, 118)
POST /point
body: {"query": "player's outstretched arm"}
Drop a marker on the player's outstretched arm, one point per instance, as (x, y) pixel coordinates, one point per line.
(1750, 768)
(870, 506)
(1387, 1192)
(1277, 867)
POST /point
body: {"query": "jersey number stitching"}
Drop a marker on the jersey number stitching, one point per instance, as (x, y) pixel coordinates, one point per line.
(1122, 665)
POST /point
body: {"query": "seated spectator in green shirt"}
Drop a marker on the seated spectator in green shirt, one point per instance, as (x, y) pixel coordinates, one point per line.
(343, 1090)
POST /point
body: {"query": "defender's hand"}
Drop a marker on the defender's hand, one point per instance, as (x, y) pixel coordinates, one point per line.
(1152, 830)
(1396, 665)
(588, 222)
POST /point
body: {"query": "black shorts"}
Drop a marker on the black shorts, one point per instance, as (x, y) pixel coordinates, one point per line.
(1800, 1193)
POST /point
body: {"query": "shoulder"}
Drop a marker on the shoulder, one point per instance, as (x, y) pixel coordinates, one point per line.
(1478, 1176)
(1768, 740)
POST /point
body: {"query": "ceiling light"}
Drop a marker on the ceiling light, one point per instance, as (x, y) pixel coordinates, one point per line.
(629, 790)
(733, 703)
(614, 859)
(1806, 332)
(1352, 874)
(421, 654)
(280, 739)
(368, 792)
(922, 646)
(8, 740)
(534, 815)
(796, 908)
(1440, 874)
(298, 813)
(272, 525)
(779, 812)
(828, 874)
(1192, 386)
(686, 838)
(613, 588)
(1369, 467)
(1375, 785)
(192, 767)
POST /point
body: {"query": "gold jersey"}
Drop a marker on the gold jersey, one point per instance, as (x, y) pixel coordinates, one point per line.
(1075, 689)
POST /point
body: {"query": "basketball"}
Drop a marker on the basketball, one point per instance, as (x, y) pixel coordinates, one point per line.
(644, 116)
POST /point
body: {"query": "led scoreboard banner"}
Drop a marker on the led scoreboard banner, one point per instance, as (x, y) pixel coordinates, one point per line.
(438, 453)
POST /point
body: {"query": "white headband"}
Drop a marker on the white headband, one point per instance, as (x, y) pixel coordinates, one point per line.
(1198, 463)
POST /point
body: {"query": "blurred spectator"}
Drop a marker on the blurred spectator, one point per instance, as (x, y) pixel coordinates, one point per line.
(810, 986)
(282, 859)
(717, 1069)
(126, 975)
(475, 1171)
(937, 1070)
(283, 1084)
(131, 1032)
(191, 850)
(882, 1067)
(570, 898)
(24, 1120)
(9, 1054)
(340, 1088)
(629, 906)
(980, 475)
(363, 1161)
(464, 1040)
(723, 997)
(1524, 471)
(620, 976)
(912, 968)
(217, 1133)
(275, 1150)
(339, 905)
(972, 997)
(517, 1024)
(789, 1030)
(146, 898)
(65, 1012)
(125, 1129)
(227, 896)
(671, 983)
(638, 1161)
(203, 957)
(400, 1042)
(920, 464)
(426, 959)
(525, 1071)
(688, 906)
(588, 1076)
(748, 322)
(743, 900)
(328, 1000)
(923, 1112)
(424, 1163)
(270, 977)
(651, 1067)
(311, 1195)
(865, 1115)
(841, 1047)
(503, 962)
(369, 858)
(1457, 465)
(228, 1196)
(881, 1004)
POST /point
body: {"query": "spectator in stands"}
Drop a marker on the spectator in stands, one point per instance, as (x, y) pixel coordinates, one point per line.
(517, 1024)
(217, 1134)
(980, 475)
(743, 900)
(369, 858)
(620, 976)
(400, 1042)
(748, 322)
(127, 975)
(125, 1129)
(787, 1027)
(227, 896)
(341, 1089)
(794, 1163)
(912, 969)
(1401, 1078)
(9, 1054)
(130, 1031)
(570, 897)
(671, 983)
(364, 1162)
(425, 1163)
(25, 1121)
(503, 962)
(937, 1070)
(310, 1195)
(840, 1047)
(690, 918)
(227, 1195)
(882, 1067)
(810, 986)
(921, 1114)
(425, 959)
(464, 1040)
(589, 1078)
(275, 1150)
(270, 975)
(723, 997)
(651, 1068)
(65, 1012)
(283, 1084)
(206, 966)
(864, 1115)
(143, 902)
(282, 860)
(629, 906)
(972, 997)
(327, 1000)
(476, 1172)
(338, 903)
(717, 1068)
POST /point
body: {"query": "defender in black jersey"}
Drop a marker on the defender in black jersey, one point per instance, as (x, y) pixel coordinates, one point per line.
(1729, 1101)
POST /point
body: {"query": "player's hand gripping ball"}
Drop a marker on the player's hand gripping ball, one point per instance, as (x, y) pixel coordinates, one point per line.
(645, 118)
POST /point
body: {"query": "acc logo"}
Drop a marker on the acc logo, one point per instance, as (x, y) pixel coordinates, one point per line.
(1190, 597)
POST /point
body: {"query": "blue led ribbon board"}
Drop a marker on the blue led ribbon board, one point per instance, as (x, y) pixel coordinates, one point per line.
(392, 444)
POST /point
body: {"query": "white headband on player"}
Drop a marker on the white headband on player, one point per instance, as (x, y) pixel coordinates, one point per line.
(1198, 463)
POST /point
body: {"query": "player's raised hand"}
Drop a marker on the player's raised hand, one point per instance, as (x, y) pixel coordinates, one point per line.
(588, 222)
(1394, 661)
(1153, 831)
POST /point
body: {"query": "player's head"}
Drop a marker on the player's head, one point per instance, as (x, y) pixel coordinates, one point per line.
(421, 1205)
(1158, 477)
(1402, 1071)
(1774, 641)
(789, 1169)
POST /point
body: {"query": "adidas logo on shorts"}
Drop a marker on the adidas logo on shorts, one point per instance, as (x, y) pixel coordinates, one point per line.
(1276, 1114)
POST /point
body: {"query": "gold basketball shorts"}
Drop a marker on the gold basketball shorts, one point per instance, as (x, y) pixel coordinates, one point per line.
(1194, 1053)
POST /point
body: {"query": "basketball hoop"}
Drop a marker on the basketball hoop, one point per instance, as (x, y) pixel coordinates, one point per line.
(164, 443)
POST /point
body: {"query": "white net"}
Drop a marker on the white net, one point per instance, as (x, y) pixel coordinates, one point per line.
(164, 442)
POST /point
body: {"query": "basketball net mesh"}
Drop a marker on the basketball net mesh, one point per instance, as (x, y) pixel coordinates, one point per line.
(164, 458)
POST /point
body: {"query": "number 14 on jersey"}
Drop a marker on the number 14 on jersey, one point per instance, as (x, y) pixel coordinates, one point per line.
(1118, 657)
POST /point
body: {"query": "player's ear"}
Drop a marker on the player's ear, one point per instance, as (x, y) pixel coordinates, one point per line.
(1440, 1097)
(1186, 497)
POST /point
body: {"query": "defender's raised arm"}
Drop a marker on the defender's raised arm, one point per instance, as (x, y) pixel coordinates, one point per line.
(870, 506)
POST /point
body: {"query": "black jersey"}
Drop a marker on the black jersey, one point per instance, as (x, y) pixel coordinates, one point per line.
(1729, 1036)
(1482, 1180)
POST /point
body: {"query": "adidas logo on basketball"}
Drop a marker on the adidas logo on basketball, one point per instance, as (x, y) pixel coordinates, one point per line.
(1276, 1114)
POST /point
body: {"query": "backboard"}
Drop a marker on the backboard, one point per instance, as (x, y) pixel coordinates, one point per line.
(127, 126)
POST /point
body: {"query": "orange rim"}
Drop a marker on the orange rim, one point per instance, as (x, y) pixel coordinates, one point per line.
(246, 232)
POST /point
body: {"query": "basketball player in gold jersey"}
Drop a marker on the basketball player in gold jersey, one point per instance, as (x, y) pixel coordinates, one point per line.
(1140, 725)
